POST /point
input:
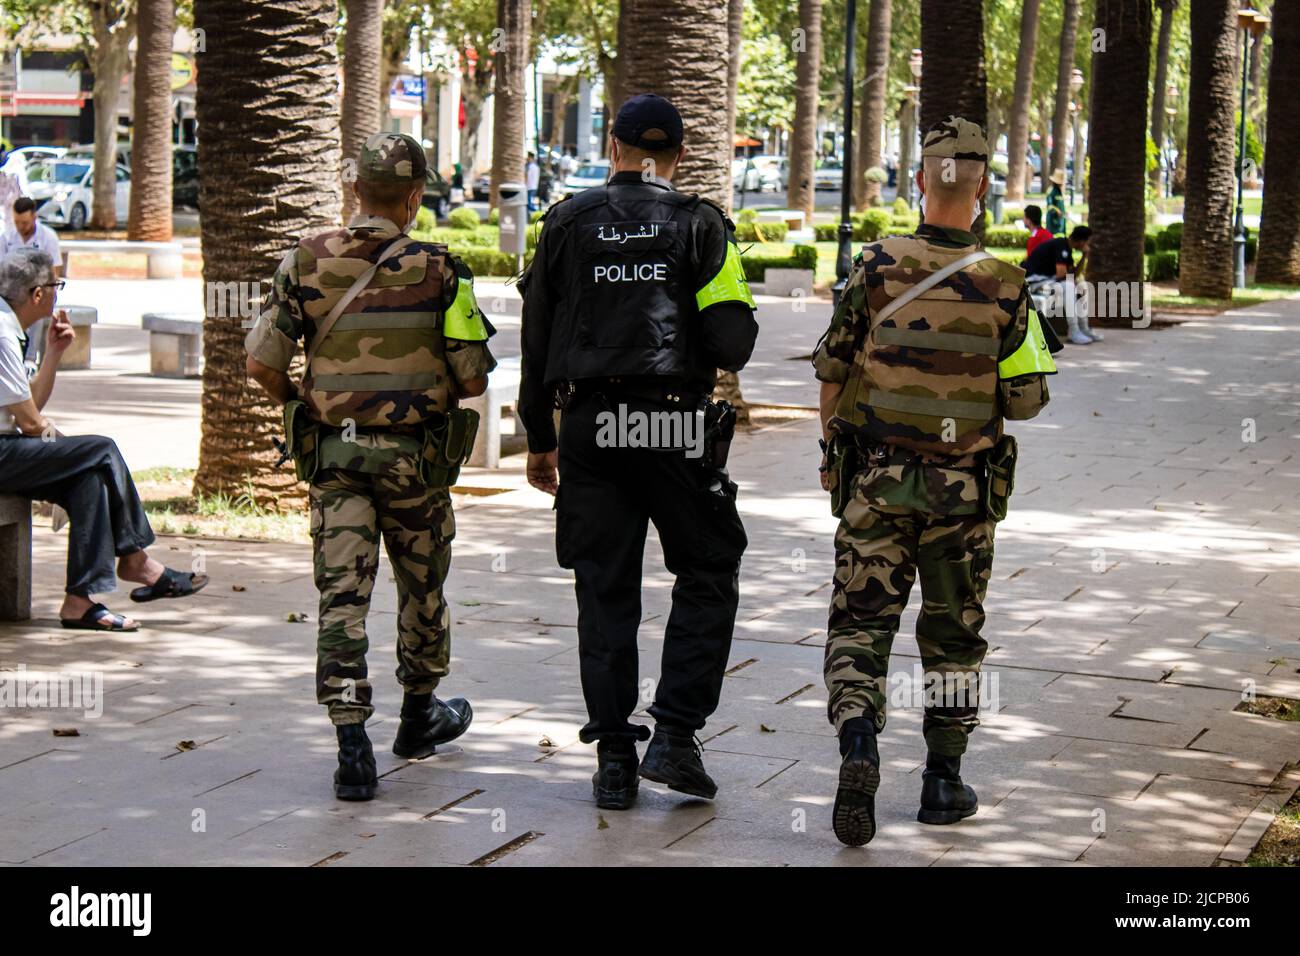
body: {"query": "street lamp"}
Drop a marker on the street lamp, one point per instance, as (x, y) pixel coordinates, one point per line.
(1076, 84)
(844, 255)
(1248, 21)
(914, 64)
(1171, 110)
(913, 94)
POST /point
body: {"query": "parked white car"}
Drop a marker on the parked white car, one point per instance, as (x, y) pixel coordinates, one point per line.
(24, 160)
(773, 172)
(593, 173)
(752, 178)
(829, 175)
(71, 187)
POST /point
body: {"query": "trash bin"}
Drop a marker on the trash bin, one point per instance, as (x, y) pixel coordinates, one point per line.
(513, 218)
(997, 190)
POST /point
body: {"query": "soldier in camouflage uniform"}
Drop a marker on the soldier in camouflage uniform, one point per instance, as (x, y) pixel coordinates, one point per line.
(918, 371)
(379, 382)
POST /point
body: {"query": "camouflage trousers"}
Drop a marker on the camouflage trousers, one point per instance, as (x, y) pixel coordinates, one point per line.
(879, 551)
(349, 512)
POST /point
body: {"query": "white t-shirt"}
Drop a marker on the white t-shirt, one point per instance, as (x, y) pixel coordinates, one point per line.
(43, 238)
(532, 174)
(13, 373)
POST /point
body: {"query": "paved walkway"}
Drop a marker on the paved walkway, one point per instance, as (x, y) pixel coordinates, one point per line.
(1146, 577)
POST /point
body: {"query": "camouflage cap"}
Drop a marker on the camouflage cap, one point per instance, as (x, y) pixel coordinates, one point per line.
(391, 158)
(956, 138)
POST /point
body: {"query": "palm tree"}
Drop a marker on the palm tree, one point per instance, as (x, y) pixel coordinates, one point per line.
(1064, 70)
(803, 136)
(953, 78)
(735, 29)
(1278, 260)
(867, 194)
(1018, 134)
(1117, 212)
(150, 215)
(687, 34)
(1162, 73)
(362, 65)
(1204, 259)
(514, 19)
(112, 26)
(269, 156)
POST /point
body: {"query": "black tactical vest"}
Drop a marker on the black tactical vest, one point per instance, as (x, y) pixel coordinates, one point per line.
(628, 301)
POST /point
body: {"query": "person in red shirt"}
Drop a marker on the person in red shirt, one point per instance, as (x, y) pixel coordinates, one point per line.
(1034, 223)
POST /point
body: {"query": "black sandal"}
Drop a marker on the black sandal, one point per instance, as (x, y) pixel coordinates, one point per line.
(170, 584)
(90, 621)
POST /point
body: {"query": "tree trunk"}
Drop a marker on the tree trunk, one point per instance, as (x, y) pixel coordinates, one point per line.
(1064, 70)
(953, 79)
(1161, 81)
(803, 136)
(735, 24)
(269, 153)
(1205, 262)
(1278, 260)
(362, 60)
(151, 131)
(616, 92)
(514, 17)
(687, 34)
(872, 115)
(1018, 136)
(1117, 212)
(110, 60)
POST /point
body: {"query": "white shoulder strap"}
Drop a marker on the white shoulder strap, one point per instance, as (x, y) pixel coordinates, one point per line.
(354, 290)
(929, 282)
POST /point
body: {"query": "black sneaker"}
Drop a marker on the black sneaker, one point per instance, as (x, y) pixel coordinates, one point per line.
(854, 816)
(427, 722)
(944, 798)
(356, 777)
(614, 784)
(675, 761)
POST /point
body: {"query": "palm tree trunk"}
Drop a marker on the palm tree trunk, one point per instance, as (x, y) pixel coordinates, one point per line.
(1161, 80)
(803, 136)
(1278, 260)
(270, 159)
(687, 34)
(735, 29)
(953, 78)
(1117, 211)
(112, 27)
(1064, 69)
(1205, 258)
(151, 131)
(872, 116)
(362, 62)
(514, 17)
(1018, 135)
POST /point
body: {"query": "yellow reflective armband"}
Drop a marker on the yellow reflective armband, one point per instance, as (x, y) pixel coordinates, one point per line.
(1032, 358)
(728, 285)
(463, 320)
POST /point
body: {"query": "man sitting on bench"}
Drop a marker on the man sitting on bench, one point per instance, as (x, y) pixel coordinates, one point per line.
(85, 475)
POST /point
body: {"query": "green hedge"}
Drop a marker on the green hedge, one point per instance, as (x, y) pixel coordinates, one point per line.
(1006, 237)
(826, 231)
(756, 264)
(1170, 238)
(1012, 215)
(487, 262)
(750, 231)
(872, 225)
(1162, 266)
(463, 219)
(746, 215)
(482, 236)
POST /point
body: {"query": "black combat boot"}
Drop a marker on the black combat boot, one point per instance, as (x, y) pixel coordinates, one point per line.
(944, 798)
(356, 778)
(854, 816)
(427, 722)
(673, 759)
(614, 784)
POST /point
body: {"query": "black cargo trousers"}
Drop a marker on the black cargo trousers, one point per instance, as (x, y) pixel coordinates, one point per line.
(607, 496)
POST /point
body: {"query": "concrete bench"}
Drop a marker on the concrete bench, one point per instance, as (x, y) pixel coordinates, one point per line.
(502, 390)
(15, 558)
(789, 282)
(175, 343)
(165, 258)
(77, 355)
(791, 217)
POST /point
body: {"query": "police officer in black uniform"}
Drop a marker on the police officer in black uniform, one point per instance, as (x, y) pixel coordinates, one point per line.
(634, 299)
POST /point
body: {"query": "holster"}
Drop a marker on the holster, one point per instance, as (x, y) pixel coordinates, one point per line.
(719, 429)
(447, 446)
(1000, 477)
(302, 437)
(842, 464)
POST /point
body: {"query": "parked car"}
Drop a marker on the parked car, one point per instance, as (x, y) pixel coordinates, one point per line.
(71, 191)
(482, 190)
(593, 173)
(437, 194)
(744, 171)
(829, 175)
(773, 171)
(86, 151)
(185, 177)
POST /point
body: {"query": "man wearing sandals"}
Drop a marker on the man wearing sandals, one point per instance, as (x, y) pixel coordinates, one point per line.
(83, 474)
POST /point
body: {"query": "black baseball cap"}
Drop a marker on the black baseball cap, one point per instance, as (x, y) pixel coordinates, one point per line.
(649, 122)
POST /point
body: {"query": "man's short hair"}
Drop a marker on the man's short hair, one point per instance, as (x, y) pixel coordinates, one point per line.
(661, 157)
(952, 178)
(386, 195)
(1034, 214)
(24, 204)
(1080, 234)
(21, 271)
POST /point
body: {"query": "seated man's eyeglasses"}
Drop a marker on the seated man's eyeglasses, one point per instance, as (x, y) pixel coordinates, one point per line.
(57, 285)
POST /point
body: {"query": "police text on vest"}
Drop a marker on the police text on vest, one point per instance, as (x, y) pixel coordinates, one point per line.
(632, 272)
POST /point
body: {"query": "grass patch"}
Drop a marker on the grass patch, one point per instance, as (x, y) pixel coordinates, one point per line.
(1166, 297)
(172, 509)
(1280, 845)
(1279, 708)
